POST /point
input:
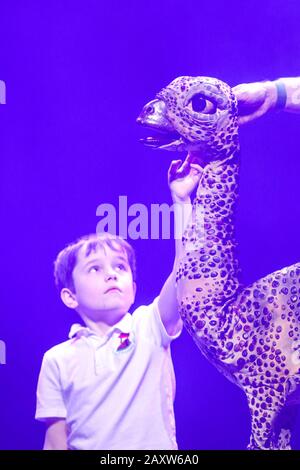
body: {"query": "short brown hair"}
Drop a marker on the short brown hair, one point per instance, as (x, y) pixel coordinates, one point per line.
(67, 258)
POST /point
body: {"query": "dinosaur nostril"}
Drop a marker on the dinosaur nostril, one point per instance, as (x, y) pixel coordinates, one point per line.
(150, 109)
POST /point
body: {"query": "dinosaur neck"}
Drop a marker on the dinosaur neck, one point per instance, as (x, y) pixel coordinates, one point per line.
(205, 157)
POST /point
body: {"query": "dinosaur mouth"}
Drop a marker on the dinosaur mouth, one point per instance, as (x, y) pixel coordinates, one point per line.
(159, 137)
(160, 130)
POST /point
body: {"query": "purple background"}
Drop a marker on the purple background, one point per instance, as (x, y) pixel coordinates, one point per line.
(77, 75)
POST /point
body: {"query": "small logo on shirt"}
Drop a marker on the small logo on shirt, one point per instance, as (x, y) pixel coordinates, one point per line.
(124, 341)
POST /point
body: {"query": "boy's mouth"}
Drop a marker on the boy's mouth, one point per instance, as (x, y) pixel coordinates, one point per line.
(112, 289)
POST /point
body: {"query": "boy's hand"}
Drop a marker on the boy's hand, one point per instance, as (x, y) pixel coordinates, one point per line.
(183, 177)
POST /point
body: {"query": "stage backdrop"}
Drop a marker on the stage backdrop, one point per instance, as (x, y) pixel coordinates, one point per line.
(77, 74)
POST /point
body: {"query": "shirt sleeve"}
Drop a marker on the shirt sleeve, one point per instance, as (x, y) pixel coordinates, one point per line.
(149, 317)
(50, 403)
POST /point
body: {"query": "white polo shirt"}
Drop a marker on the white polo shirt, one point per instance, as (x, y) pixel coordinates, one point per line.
(112, 397)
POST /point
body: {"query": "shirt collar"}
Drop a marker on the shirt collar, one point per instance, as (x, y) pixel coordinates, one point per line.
(124, 326)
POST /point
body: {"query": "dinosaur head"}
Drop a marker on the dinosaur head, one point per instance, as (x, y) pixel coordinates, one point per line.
(193, 114)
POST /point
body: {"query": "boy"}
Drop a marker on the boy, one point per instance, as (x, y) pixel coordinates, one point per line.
(112, 385)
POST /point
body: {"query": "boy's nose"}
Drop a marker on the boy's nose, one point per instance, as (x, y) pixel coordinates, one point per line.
(110, 276)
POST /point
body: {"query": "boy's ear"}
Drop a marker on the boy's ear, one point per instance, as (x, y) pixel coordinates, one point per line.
(134, 289)
(68, 298)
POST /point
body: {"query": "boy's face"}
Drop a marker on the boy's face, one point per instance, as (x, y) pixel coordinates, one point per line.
(104, 288)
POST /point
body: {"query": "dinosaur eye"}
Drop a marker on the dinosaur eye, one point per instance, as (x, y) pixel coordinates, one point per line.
(201, 104)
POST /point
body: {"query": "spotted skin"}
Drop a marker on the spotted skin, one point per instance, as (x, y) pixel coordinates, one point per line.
(251, 334)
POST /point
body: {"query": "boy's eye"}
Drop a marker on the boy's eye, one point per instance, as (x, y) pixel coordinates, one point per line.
(94, 269)
(121, 266)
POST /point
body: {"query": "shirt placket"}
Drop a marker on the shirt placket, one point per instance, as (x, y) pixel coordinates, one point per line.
(101, 348)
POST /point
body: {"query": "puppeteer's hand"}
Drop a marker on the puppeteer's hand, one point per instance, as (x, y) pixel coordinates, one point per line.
(183, 177)
(254, 100)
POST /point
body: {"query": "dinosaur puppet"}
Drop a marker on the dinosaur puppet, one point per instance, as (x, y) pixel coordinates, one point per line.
(251, 334)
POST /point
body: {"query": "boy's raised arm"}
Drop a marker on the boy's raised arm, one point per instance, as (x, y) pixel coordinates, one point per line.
(182, 179)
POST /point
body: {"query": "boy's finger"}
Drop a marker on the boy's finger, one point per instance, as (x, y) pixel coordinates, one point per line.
(185, 168)
(196, 167)
(173, 169)
(185, 164)
(174, 165)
